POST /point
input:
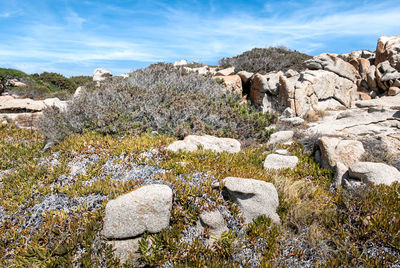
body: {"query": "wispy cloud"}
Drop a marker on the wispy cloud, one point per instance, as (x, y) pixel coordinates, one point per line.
(82, 36)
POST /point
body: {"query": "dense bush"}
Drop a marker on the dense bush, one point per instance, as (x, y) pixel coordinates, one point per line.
(59, 81)
(159, 98)
(266, 60)
(81, 80)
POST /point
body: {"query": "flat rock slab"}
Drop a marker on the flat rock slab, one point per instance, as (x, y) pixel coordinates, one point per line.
(253, 197)
(376, 173)
(192, 143)
(277, 161)
(281, 137)
(146, 208)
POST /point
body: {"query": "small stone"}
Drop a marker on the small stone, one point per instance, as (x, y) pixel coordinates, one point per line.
(215, 221)
(295, 121)
(282, 152)
(126, 250)
(193, 142)
(276, 161)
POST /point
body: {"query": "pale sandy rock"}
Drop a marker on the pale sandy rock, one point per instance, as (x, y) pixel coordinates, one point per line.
(194, 142)
(277, 161)
(253, 197)
(227, 71)
(78, 91)
(126, 250)
(334, 150)
(371, 78)
(215, 222)
(332, 63)
(376, 173)
(180, 63)
(62, 105)
(388, 49)
(281, 137)
(232, 83)
(8, 103)
(146, 208)
(363, 96)
(15, 83)
(101, 74)
(291, 73)
(22, 120)
(341, 173)
(293, 121)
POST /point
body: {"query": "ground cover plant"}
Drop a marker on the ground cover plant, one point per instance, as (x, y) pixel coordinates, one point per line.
(52, 205)
(264, 60)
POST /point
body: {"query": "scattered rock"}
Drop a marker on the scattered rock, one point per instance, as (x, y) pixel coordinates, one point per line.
(281, 137)
(376, 173)
(215, 221)
(282, 152)
(15, 83)
(78, 92)
(334, 150)
(233, 83)
(277, 161)
(295, 121)
(388, 49)
(227, 71)
(341, 173)
(180, 63)
(101, 74)
(126, 250)
(332, 63)
(192, 143)
(146, 208)
(254, 197)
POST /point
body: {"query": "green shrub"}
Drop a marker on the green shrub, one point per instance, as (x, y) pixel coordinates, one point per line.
(266, 60)
(81, 80)
(159, 98)
(56, 82)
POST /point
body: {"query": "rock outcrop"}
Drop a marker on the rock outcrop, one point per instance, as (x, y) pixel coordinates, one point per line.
(192, 143)
(101, 74)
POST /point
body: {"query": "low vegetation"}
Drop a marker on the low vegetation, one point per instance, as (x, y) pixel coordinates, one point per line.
(264, 60)
(319, 227)
(163, 99)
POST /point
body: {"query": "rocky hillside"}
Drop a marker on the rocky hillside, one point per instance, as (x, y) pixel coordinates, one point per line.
(196, 165)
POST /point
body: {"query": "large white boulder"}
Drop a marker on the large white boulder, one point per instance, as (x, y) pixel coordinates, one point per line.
(101, 74)
(180, 63)
(253, 197)
(147, 208)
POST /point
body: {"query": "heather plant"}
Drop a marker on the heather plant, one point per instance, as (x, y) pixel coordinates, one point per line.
(159, 98)
(266, 60)
(57, 81)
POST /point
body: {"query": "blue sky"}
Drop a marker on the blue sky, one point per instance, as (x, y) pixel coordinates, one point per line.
(74, 37)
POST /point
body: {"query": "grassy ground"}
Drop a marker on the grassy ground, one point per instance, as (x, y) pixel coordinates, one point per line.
(319, 227)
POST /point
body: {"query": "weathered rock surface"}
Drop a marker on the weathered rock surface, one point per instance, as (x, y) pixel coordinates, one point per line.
(277, 161)
(227, 71)
(233, 83)
(332, 63)
(254, 197)
(281, 137)
(22, 120)
(245, 76)
(192, 143)
(126, 250)
(215, 222)
(334, 150)
(101, 74)
(376, 173)
(180, 63)
(9, 104)
(388, 49)
(146, 208)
